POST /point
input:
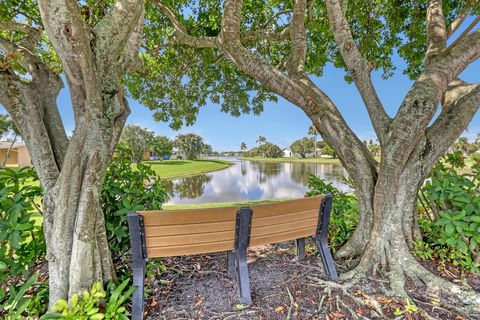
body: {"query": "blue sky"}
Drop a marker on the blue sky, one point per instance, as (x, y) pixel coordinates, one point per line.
(281, 122)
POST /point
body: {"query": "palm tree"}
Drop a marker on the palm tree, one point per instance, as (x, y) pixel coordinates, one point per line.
(243, 146)
(261, 139)
(312, 130)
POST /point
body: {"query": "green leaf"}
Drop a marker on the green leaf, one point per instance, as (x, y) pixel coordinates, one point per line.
(449, 228)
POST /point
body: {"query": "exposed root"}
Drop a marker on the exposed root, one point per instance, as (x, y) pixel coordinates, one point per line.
(344, 288)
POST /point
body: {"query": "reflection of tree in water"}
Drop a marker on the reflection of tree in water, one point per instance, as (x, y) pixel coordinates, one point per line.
(192, 187)
(168, 190)
(266, 170)
(243, 168)
(302, 171)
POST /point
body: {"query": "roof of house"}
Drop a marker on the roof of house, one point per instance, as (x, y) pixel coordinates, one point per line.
(6, 144)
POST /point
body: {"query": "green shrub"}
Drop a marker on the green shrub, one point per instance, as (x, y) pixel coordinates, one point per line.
(344, 217)
(95, 304)
(125, 190)
(452, 224)
(21, 242)
(475, 157)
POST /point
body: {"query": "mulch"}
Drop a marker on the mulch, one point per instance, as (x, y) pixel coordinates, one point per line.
(198, 287)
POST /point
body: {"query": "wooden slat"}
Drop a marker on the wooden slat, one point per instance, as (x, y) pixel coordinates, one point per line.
(281, 219)
(189, 239)
(192, 249)
(284, 227)
(184, 229)
(195, 231)
(285, 207)
(176, 217)
(282, 236)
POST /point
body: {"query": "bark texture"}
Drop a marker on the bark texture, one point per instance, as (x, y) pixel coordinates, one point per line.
(94, 59)
(411, 144)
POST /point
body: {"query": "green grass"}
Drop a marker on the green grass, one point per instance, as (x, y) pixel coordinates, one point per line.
(306, 160)
(219, 204)
(171, 169)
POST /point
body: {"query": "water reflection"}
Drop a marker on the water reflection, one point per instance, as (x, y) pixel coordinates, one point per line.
(252, 181)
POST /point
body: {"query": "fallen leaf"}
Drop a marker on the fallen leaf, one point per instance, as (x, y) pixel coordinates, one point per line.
(336, 314)
(199, 302)
(154, 303)
(279, 309)
(384, 300)
(240, 306)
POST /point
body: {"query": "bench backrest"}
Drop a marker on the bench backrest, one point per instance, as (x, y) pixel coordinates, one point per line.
(196, 231)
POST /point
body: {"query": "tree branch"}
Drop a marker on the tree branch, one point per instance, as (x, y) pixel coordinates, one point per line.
(298, 39)
(32, 35)
(114, 30)
(180, 34)
(463, 35)
(458, 22)
(358, 67)
(130, 59)
(436, 29)
(461, 103)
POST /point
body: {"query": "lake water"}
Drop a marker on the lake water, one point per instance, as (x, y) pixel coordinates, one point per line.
(248, 180)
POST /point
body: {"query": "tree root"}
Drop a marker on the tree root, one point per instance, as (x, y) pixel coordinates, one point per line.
(328, 286)
(408, 270)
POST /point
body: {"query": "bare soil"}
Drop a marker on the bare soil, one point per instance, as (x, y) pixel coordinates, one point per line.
(198, 287)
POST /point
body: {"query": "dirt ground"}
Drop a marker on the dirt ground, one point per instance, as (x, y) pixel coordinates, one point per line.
(198, 287)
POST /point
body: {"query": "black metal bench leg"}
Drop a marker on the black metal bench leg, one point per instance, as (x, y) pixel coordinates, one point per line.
(138, 295)
(137, 241)
(231, 263)
(300, 244)
(321, 239)
(327, 260)
(243, 278)
(242, 241)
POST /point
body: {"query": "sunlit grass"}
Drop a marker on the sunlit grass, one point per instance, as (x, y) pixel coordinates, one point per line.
(171, 169)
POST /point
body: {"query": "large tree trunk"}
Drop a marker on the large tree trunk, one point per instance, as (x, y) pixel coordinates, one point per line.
(77, 248)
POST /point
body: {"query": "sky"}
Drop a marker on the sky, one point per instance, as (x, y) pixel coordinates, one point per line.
(282, 123)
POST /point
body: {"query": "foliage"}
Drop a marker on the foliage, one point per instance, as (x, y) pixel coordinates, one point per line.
(176, 81)
(190, 145)
(475, 157)
(243, 146)
(261, 140)
(270, 150)
(137, 139)
(27, 300)
(374, 149)
(464, 146)
(344, 215)
(22, 243)
(451, 225)
(91, 304)
(162, 146)
(328, 151)
(303, 146)
(126, 190)
(18, 227)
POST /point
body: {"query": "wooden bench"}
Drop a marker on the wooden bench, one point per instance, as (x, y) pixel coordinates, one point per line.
(196, 231)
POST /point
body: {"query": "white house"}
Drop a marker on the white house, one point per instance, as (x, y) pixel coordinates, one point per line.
(287, 153)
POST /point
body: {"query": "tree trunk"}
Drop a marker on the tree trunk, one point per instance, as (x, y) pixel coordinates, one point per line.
(9, 150)
(77, 248)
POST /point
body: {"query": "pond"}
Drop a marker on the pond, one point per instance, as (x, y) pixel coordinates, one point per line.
(249, 180)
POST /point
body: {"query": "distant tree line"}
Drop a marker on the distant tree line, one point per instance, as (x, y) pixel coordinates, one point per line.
(140, 140)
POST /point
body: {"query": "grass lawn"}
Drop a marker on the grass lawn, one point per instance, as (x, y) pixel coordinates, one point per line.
(171, 169)
(219, 204)
(306, 160)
